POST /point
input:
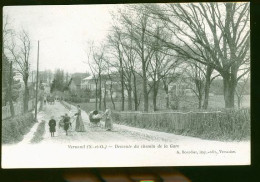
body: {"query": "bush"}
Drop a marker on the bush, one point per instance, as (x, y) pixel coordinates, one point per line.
(38, 135)
(77, 99)
(225, 125)
(13, 129)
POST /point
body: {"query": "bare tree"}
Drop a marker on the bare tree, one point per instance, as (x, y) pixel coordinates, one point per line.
(7, 70)
(219, 29)
(129, 64)
(111, 85)
(197, 75)
(242, 89)
(97, 68)
(161, 64)
(20, 50)
(141, 22)
(115, 45)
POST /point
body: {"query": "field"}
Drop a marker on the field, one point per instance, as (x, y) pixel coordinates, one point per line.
(188, 103)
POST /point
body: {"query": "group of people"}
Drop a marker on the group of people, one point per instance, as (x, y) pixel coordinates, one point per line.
(94, 117)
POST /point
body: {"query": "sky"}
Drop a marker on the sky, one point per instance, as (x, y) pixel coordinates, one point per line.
(63, 32)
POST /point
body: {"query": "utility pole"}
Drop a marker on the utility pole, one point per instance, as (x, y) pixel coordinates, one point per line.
(36, 101)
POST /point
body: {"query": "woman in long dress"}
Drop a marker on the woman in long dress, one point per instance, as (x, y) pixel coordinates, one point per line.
(79, 122)
(108, 120)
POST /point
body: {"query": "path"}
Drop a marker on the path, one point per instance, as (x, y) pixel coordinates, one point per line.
(57, 152)
(120, 133)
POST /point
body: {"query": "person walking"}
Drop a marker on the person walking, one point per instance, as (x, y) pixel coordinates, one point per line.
(79, 122)
(108, 120)
(67, 123)
(52, 125)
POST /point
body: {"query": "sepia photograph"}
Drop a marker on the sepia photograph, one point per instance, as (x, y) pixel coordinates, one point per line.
(126, 85)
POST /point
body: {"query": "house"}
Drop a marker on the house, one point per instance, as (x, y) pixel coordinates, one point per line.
(89, 83)
(182, 86)
(74, 84)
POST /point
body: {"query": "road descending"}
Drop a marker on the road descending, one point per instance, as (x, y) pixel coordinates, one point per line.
(124, 146)
(93, 133)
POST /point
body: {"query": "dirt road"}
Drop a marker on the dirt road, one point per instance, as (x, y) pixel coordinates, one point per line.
(119, 133)
(100, 148)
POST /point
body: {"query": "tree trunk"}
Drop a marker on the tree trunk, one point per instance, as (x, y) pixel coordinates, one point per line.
(166, 89)
(200, 101)
(229, 83)
(96, 94)
(41, 101)
(206, 95)
(105, 96)
(135, 93)
(129, 94)
(26, 98)
(167, 100)
(11, 105)
(100, 93)
(111, 96)
(155, 93)
(122, 89)
(239, 99)
(146, 98)
(121, 72)
(145, 91)
(9, 94)
(207, 87)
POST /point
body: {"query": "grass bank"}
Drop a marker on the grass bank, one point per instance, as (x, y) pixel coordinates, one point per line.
(38, 134)
(15, 128)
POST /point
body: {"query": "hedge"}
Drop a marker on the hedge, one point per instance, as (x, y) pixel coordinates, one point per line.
(14, 129)
(224, 125)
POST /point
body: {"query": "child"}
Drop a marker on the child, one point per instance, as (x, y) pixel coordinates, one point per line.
(67, 123)
(108, 120)
(52, 125)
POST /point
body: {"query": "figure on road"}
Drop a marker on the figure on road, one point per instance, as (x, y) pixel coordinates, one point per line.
(108, 120)
(52, 125)
(79, 123)
(95, 117)
(67, 123)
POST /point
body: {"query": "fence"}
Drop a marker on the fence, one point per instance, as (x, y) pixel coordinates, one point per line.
(18, 109)
(227, 124)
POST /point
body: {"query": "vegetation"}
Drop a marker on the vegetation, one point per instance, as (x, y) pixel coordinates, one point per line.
(38, 135)
(188, 103)
(13, 129)
(224, 125)
(162, 43)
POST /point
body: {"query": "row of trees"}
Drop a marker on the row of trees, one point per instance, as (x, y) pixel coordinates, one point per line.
(162, 43)
(16, 51)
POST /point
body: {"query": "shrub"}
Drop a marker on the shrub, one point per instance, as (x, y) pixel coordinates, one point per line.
(225, 125)
(13, 129)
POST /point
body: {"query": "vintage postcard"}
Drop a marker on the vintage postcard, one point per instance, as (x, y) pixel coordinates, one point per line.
(126, 85)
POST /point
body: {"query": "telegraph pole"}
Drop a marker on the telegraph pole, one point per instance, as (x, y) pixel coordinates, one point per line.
(36, 95)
